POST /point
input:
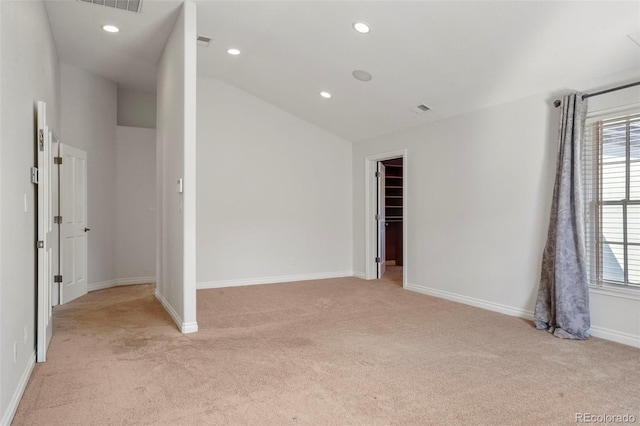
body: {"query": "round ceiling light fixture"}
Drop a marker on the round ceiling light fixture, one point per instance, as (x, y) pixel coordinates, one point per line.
(110, 28)
(361, 27)
(325, 95)
(233, 51)
(361, 75)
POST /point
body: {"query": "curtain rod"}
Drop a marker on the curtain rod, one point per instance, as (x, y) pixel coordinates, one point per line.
(557, 102)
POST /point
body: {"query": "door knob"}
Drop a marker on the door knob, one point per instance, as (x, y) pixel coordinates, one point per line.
(87, 229)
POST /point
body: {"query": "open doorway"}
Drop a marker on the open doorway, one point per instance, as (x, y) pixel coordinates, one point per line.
(390, 215)
(386, 221)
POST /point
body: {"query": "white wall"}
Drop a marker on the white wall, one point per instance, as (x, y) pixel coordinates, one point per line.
(135, 208)
(2, 342)
(176, 159)
(479, 198)
(274, 193)
(89, 105)
(30, 72)
(3, 411)
(136, 108)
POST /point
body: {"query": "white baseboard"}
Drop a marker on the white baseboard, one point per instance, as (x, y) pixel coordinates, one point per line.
(272, 280)
(120, 281)
(601, 332)
(359, 274)
(7, 417)
(172, 312)
(479, 303)
(184, 327)
(189, 327)
(616, 336)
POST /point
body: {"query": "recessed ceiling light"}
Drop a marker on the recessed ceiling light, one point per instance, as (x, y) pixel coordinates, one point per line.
(361, 75)
(325, 95)
(110, 28)
(361, 27)
(233, 52)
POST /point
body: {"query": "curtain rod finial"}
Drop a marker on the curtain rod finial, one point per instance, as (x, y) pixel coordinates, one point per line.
(557, 103)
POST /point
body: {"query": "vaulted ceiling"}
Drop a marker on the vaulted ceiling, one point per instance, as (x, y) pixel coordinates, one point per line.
(452, 56)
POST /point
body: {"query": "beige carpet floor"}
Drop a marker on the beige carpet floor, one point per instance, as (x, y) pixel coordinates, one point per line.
(393, 274)
(327, 352)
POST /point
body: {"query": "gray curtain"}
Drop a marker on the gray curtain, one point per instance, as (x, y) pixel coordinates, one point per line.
(562, 307)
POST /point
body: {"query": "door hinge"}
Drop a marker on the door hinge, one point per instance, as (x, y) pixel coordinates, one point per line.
(41, 139)
(57, 219)
(377, 217)
(57, 160)
(57, 278)
(35, 175)
(40, 244)
(378, 174)
(378, 260)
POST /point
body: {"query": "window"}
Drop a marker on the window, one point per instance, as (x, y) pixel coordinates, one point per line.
(611, 168)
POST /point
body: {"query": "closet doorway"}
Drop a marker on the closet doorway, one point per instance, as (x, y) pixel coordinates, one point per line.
(386, 221)
(390, 216)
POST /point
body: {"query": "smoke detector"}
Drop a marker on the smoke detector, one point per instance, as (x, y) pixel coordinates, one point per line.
(361, 75)
(128, 5)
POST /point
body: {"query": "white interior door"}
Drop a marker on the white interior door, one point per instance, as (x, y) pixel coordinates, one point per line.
(381, 220)
(45, 234)
(73, 229)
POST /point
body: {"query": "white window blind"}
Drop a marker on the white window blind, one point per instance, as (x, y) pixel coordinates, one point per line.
(611, 178)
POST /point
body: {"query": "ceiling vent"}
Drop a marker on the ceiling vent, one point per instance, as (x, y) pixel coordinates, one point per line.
(421, 108)
(203, 40)
(128, 5)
